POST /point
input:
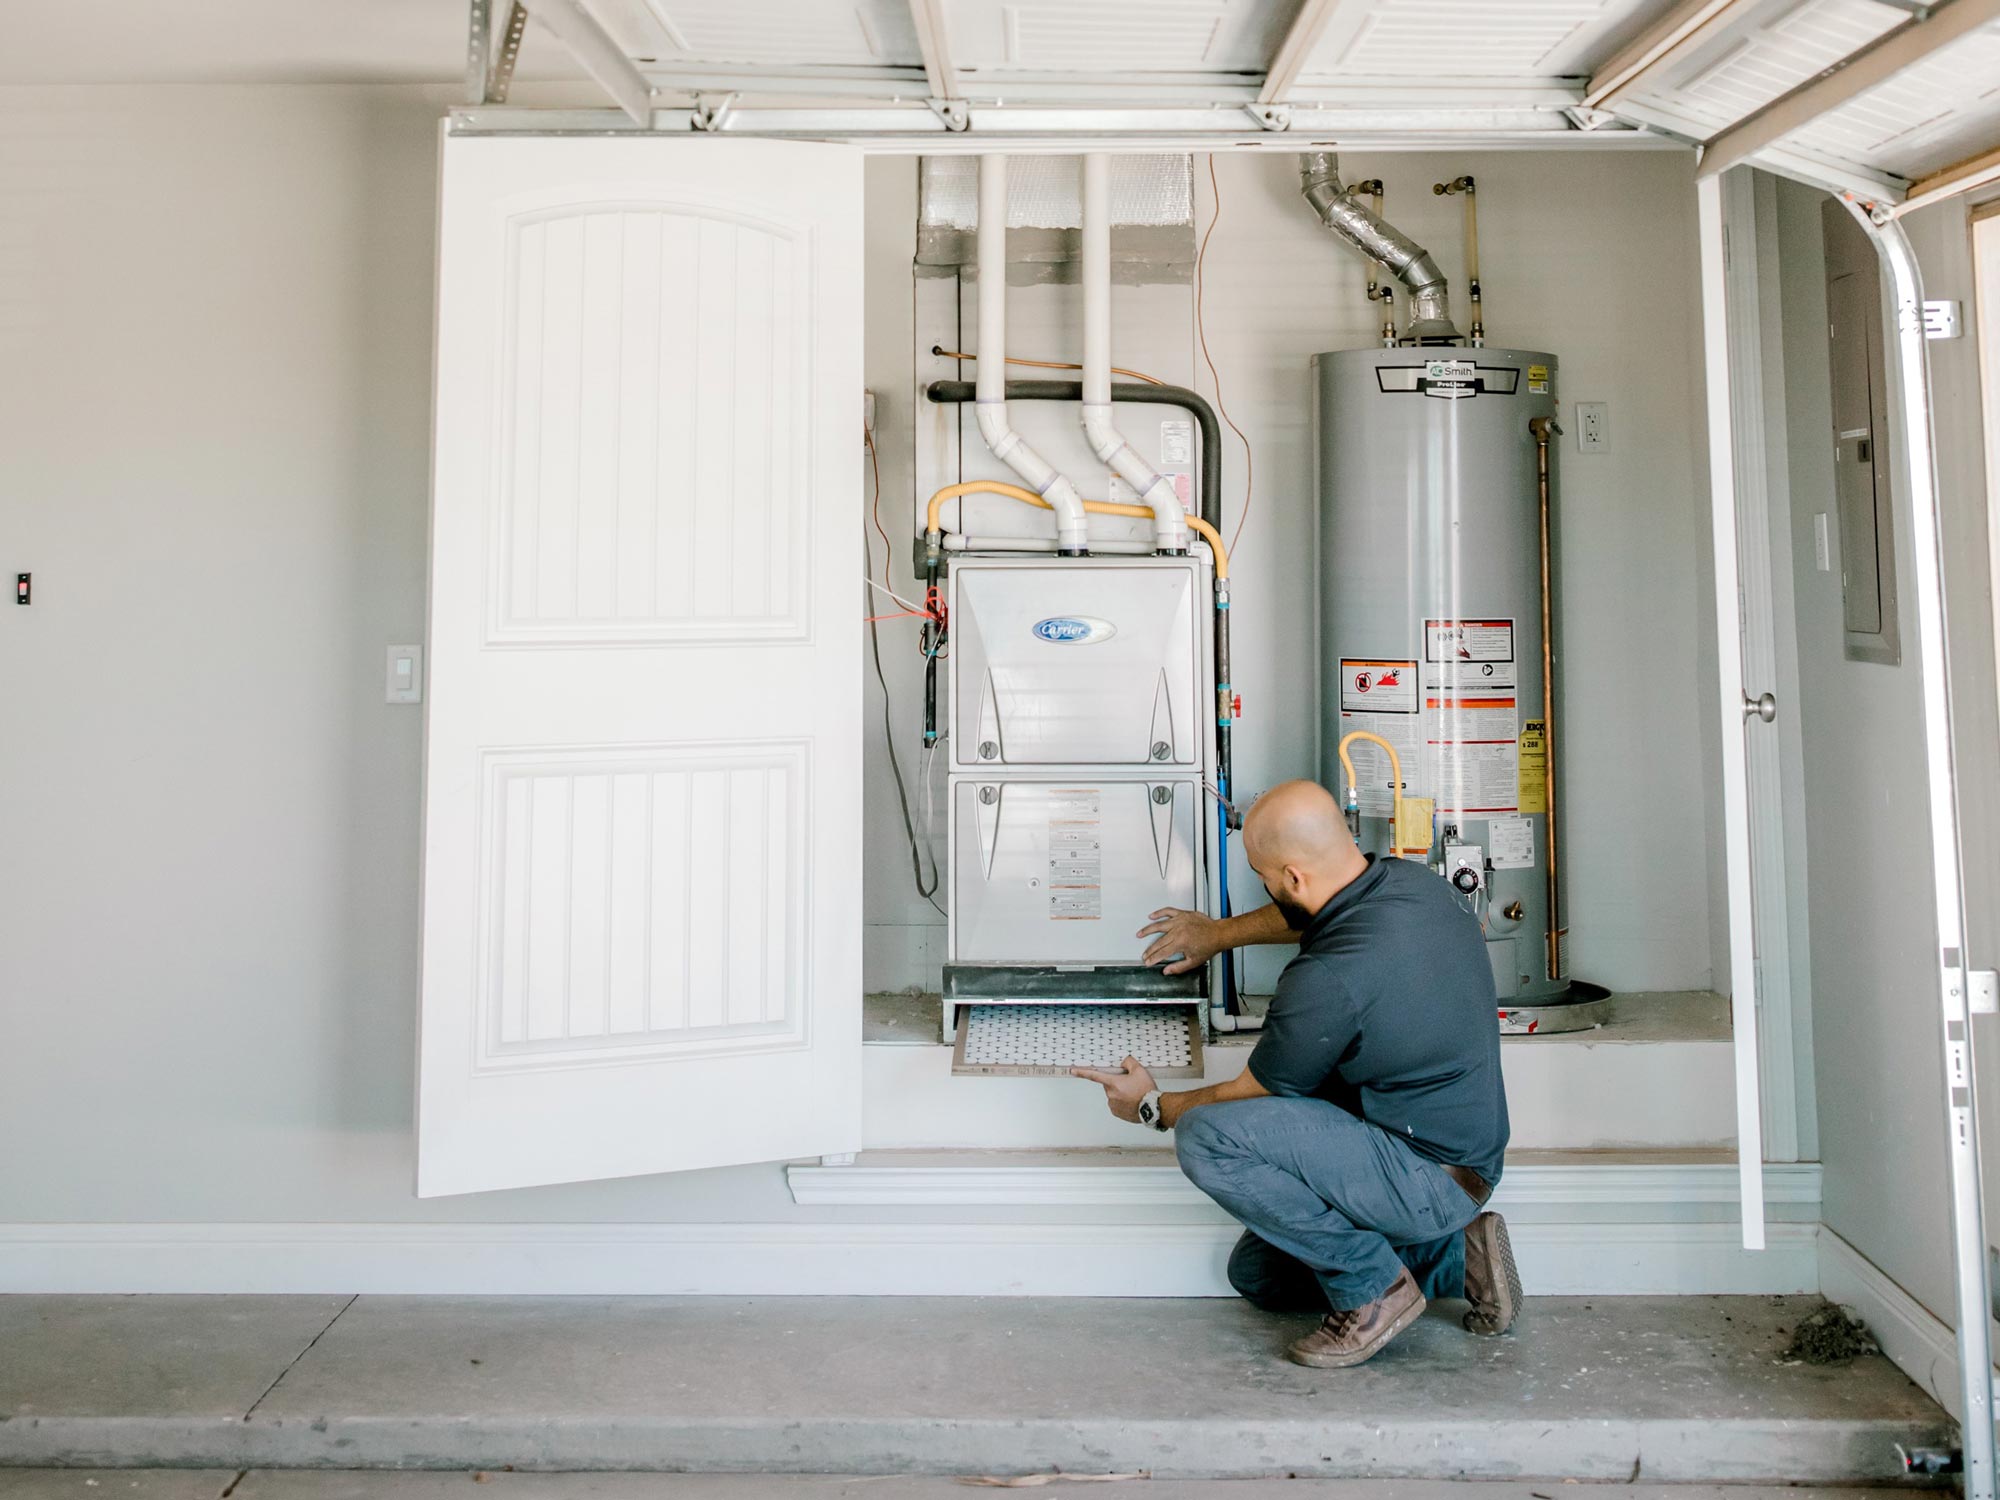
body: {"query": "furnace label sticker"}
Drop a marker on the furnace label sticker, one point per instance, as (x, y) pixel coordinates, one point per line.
(1076, 855)
(1382, 687)
(1510, 843)
(1469, 641)
(1176, 443)
(1534, 767)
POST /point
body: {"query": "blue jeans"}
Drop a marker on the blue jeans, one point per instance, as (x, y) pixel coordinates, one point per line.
(1335, 1208)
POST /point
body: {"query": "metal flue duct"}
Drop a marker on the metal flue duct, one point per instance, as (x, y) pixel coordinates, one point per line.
(1343, 213)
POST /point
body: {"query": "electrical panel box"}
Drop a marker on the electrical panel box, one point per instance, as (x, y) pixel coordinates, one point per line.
(1085, 663)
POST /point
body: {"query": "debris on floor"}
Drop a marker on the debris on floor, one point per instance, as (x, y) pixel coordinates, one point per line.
(1033, 1481)
(1831, 1336)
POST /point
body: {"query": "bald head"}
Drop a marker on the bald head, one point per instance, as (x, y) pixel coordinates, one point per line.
(1296, 839)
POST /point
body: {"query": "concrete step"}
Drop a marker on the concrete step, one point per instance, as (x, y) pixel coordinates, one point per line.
(1659, 1074)
(1656, 1389)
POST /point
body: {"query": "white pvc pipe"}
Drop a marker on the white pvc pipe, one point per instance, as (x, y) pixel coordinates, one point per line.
(1170, 532)
(990, 396)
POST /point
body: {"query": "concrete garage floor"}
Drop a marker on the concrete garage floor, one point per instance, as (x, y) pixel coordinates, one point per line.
(1623, 1389)
(278, 1484)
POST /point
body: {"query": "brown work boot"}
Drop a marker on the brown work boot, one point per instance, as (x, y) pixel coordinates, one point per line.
(1492, 1284)
(1348, 1338)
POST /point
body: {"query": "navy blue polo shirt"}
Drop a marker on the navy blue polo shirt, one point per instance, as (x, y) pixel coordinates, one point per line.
(1390, 1012)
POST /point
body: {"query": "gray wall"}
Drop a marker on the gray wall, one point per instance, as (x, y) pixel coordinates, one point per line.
(1875, 1009)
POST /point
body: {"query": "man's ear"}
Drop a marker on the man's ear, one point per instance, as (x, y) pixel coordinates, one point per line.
(1295, 880)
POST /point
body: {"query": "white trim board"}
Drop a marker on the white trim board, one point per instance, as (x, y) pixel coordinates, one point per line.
(1630, 1191)
(1913, 1337)
(1577, 1257)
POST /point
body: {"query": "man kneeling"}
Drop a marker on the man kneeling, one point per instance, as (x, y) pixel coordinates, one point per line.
(1365, 1135)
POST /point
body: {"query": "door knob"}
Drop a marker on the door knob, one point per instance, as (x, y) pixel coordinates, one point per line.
(1764, 707)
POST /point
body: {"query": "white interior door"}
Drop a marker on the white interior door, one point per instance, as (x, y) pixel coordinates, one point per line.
(642, 923)
(1729, 688)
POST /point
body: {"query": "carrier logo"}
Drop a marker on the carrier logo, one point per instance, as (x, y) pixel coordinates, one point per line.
(1073, 630)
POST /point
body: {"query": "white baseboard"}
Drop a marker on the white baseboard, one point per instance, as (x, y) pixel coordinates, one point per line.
(1919, 1343)
(1625, 1191)
(995, 1260)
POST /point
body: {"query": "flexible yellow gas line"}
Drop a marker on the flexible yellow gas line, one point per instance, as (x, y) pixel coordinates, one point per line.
(1098, 507)
(1395, 782)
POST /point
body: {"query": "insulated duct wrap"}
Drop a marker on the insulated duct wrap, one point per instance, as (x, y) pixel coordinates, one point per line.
(1343, 213)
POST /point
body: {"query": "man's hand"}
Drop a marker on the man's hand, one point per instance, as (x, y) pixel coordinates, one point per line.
(1122, 1091)
(1188, 938)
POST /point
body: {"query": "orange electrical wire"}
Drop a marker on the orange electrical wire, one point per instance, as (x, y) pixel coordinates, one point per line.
(1201, 333)
(1050, 364)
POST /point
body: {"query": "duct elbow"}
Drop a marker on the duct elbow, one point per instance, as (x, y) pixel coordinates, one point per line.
(1336, 208)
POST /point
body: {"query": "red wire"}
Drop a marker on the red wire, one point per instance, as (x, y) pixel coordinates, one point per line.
(1201, 332)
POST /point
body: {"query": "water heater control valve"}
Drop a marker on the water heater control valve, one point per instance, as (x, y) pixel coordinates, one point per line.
(1465, 868)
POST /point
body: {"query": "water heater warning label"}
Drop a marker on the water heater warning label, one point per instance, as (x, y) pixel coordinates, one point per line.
(1383, 697)
(1382, 687)
(1076, 855)
(1469, 640)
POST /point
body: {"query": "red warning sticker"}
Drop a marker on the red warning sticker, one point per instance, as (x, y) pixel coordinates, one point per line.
(1378, 687)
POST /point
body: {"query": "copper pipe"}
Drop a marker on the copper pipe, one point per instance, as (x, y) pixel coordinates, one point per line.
(1465, 185)
(1540, 426)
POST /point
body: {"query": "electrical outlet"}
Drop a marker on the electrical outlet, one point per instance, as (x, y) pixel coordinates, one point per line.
(1593, 426)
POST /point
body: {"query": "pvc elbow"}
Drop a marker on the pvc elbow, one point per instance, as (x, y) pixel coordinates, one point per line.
(1170, 532)
(1072, 525)
(993, 425)
(1170, 529)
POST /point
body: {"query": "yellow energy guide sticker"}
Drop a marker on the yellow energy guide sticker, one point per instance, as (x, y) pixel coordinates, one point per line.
(1534, 762)
(1413, 833)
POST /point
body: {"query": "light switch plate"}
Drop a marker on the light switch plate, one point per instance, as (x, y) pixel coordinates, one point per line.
(405, 675)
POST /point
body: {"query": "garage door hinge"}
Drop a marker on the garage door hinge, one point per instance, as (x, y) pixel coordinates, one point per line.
(711, 111)
(1983, 991)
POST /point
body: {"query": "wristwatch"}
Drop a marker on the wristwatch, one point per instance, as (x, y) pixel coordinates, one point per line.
(1150, 1112)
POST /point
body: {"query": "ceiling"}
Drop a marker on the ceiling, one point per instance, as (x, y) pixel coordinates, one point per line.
(248, 41)
(1695, 70)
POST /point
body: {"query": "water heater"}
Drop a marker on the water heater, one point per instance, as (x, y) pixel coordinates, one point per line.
(1434, 582)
